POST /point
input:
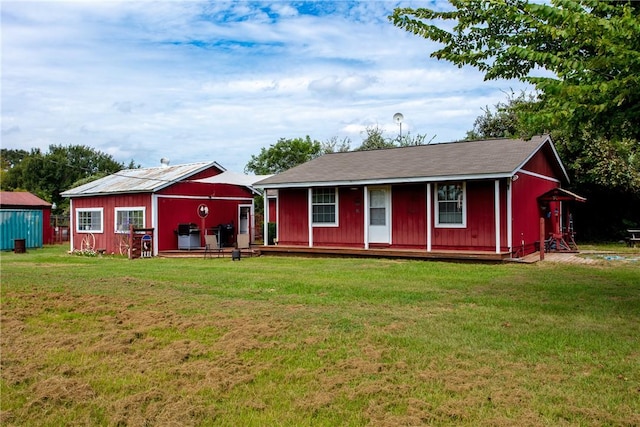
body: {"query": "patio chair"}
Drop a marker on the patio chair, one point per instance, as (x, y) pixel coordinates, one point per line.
(211, 245)
(243, 242)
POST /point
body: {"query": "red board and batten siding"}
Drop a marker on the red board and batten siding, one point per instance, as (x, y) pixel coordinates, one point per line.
(350, 229)
(480, 232)
(108, 238)
(294, 228)
(525, 191)
(409, 216)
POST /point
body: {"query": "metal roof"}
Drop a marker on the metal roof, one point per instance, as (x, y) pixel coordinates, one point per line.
(144, 180)
(455, 160)
(22, 199)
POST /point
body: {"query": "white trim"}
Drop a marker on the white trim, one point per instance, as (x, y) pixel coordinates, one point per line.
(496, 209)
(101, 210)
(537, 175)
(310, 215)
(72, 229)
(429, 218)
(464, 209)
(336, 204)
(242, 199)
(154, 222)
(389, 181)
(128, 209)
(249, 220)
(547, 140)
(265, 225)
(509, 216)
(366, 217)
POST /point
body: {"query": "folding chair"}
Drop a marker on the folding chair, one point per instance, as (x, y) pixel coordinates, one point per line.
(243, 242)
(211, 245)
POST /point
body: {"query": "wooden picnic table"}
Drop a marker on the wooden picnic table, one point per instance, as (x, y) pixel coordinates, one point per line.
(633, 237)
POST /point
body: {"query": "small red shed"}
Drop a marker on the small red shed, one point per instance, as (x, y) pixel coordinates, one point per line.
(473, 196)
(179, 203)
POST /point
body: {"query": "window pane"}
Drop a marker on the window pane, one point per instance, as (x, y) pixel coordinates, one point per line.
(126, 218)
(89, 220)
(324, 206)
(450, 204)
(377, 216)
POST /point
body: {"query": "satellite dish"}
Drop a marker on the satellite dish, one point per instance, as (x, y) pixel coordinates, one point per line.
(398, 117)
(164, 162)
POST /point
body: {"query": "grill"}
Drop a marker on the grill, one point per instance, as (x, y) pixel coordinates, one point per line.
(188, 236)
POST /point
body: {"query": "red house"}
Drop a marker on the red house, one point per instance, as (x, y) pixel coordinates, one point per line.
(479, 198)
(176, 204)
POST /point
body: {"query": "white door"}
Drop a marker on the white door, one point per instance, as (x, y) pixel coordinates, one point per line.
(244, 217)
(379, 215)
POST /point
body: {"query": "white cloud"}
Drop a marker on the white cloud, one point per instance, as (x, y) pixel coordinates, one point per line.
(209, 80)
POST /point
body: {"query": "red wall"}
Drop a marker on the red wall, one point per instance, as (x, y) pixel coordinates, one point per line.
(409, 216)
(108, 239)
(293, 217)
(479, 234)
(350, 230)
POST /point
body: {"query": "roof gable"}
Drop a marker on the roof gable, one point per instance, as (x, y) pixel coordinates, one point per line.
(144, 180)
(455, 160)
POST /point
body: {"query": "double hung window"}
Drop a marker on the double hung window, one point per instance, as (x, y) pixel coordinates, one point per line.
(451, 205)
(324, 203)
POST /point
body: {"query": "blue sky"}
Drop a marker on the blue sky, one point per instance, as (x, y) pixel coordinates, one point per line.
(208, 80)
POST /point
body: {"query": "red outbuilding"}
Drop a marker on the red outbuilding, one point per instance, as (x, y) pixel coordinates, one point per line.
(477, 197)
(176, 205)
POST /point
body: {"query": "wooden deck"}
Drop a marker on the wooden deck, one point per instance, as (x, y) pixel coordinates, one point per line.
(383, 253)
(281, 250)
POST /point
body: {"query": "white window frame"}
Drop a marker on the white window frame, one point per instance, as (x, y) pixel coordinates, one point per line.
(129, 209)
(335, 204)
(436, 201)
(84, 210)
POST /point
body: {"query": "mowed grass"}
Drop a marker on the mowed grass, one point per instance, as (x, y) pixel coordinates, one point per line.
(272, 341)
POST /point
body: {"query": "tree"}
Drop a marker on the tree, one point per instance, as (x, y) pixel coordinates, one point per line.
(591, 47)
(47, 175)
(283, 155)
(503, 121)
(374, 140)
(332, 145)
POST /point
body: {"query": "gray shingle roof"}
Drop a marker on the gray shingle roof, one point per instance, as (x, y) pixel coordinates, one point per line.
(454, 160)
(146, 180)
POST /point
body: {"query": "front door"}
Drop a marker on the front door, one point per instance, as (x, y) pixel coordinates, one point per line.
(379, 215)
(244, 219)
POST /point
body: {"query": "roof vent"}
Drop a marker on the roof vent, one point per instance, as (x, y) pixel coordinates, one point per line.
(164, 162)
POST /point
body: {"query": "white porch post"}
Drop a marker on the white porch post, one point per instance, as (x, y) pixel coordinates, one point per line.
(496, 208)
(509, 217)
(72, 229)
(154, 222)
(265, 218)
(310, 210)
(429, 219)
(366, 217)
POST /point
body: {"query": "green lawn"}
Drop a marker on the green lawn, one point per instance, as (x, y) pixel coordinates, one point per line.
(272, 341)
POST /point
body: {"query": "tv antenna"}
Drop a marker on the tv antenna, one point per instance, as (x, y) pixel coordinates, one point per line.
(398, 118)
